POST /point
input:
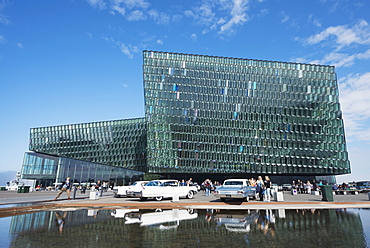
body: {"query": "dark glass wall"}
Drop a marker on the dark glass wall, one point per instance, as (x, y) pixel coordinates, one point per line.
(50, 169)
(210, 114)
(118, 143)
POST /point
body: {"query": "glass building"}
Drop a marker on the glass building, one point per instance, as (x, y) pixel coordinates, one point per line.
(219, 116)
(47, 169)
(119, 143)
(209, 114)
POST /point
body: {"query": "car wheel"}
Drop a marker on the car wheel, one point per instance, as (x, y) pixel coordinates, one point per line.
(246, 199)
(190, 195)
(190, 211)
(159, 198)
(143, 198)
(222, 199)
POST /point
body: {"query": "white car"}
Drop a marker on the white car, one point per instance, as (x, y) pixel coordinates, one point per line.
(160, 218)
(120, 191)
(121, 213)
(160, 189)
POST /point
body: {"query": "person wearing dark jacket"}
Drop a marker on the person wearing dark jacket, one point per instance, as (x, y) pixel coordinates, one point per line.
(267, 195)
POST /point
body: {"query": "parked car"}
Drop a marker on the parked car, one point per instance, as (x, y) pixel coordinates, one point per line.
(160, 189)
(237, 189)
(287, 187)
(161, 219)
(276, 187)
(121, 213)
(120, 191)
(236, 221)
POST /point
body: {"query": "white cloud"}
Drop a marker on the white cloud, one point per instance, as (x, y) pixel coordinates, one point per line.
(221, 15)
(355, 101)
(136, 15)
(128, 50)
(344, 35)
(19, 45)
(365, 55)
(193, 38)
(4, 19)
(2, 39)
(337, 59)
(141, 4)
(285, 17)
(100, 4)
(119, 9)
(125, 85)
(160, 42)
(238, 15)
(314, 21)
(159, 18)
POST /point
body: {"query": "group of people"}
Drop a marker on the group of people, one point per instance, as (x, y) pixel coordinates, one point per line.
(66, 187)
(208, 186)
(186, 183)
(306, 187)
(263, 187)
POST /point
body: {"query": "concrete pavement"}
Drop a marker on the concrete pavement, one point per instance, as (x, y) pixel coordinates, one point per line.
(13, 203)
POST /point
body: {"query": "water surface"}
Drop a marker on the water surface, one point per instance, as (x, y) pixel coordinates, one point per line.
(188, 228)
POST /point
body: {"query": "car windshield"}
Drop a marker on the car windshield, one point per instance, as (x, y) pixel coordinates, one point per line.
(170, 183)
(153, 183)
(233, 183)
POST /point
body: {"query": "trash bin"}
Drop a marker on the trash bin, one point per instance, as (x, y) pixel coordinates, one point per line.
(26, 189)
(279, 197)
(327, 193)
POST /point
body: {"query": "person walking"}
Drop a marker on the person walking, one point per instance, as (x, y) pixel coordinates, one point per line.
(260, 187)
(208, 186)
(267, 193)
(65, 188)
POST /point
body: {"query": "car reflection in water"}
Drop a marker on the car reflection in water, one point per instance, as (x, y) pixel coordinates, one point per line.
(236, 221)
(121, 213)
(161, 219)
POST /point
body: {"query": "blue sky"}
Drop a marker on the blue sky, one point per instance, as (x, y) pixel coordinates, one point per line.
(76, 61)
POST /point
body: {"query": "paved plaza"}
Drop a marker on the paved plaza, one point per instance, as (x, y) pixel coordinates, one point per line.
(12, 203)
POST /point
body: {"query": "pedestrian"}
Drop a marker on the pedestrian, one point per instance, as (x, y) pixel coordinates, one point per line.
(105, 186)
(260, 187)
(208, 186)
(98, 186)
(66, 187)
(267, 192)
(189, 182)
(314, 185)
(309, 187)
(183, 183)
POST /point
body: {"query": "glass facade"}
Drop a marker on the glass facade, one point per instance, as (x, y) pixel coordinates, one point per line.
(215, 115)
(119, 143)
(49, 169)
(208, 114)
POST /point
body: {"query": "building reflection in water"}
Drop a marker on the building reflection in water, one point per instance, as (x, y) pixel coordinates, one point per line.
(189, 228)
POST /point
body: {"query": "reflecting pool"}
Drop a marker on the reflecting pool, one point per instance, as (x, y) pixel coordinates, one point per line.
(188, 228)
